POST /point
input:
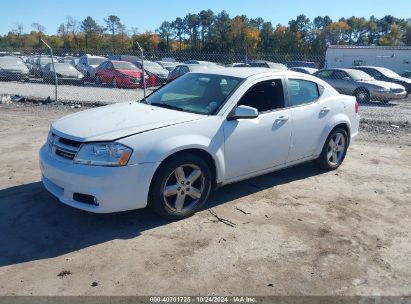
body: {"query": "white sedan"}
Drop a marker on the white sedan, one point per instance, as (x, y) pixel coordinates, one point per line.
(201, 131)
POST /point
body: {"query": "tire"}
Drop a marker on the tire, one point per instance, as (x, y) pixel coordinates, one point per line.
(334, 150)
(98, 81)
(114, 83)
(185, 197)
(362, 95)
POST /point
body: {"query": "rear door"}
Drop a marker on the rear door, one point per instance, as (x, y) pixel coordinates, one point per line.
(310, 115)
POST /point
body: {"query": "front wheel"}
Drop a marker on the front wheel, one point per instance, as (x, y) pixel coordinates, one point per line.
(114, 83)
(334, 150)
(180, 187)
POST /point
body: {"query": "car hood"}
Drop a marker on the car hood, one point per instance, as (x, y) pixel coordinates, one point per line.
(134, 73)
(13, 67)
(384, 84)
(67, 71)
(116, 121)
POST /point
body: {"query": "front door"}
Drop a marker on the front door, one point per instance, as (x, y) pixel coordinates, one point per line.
(253, 145)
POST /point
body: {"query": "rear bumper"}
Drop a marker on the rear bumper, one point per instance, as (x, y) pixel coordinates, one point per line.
(114, 188)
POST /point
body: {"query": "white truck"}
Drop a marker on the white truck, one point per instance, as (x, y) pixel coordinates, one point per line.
(396, 58)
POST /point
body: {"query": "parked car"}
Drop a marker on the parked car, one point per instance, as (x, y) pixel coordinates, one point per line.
(199, 62)
(13, 68)
(407, 74)
(154, 69)
(66, 73)
(185, 68)
(40, 63)
(201, 131)
(121, 74)
(267, 64)
(239, 65)
(69, 59)
(151, 68)
(305, 70)
(361, 85)
(305, 64)
(384, 74)
(87, 65)
(168, 65)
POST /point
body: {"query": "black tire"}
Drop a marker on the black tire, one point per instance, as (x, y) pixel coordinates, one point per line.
(324, 159)
(114, 83)
(98, 81)
(157, 200)
(362, 95)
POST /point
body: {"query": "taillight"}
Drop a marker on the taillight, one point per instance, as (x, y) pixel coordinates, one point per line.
(356, 106)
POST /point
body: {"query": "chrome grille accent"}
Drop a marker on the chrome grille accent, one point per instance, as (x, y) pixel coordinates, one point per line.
(64, 148)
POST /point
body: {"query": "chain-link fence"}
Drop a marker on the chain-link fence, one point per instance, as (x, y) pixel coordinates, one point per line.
(101, 77)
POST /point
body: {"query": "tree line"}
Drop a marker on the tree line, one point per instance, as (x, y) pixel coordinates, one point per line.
(208, 32)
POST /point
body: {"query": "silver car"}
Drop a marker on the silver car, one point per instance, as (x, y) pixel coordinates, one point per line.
(361, 85)
(13, 68)
(66, 72)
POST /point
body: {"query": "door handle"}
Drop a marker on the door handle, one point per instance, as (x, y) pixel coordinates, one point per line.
(282, 118)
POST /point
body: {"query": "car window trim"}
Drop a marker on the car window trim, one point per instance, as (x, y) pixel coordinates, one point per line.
(290, 106)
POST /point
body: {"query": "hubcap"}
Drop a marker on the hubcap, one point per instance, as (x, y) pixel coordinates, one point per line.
(184, 187)
(336, 149)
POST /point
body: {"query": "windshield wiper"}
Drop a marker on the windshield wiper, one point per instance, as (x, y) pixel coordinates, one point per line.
(166, 106)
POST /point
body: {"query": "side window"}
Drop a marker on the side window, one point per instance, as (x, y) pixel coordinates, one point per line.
(340, 75)
(264, 96)
(325, 74)
(302, 91)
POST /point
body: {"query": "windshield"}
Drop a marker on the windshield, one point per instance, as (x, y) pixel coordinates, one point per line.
(360, 75)
(124, 66)
(96, 61)
(153, 66)
(195, 93)
(388, 72)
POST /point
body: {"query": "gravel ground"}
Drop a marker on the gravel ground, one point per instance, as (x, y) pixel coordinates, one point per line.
(397, 112)
(299, 231)
(88, 93)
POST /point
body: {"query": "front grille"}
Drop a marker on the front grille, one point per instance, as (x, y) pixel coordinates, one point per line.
(85, 199)
(64, 147)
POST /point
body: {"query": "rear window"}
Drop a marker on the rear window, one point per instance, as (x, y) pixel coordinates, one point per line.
(302, 91)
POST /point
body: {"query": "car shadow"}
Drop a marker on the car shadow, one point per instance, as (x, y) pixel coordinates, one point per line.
(378, 104)
(35, 225)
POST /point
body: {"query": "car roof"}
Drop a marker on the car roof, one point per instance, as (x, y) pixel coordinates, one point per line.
(248, 72)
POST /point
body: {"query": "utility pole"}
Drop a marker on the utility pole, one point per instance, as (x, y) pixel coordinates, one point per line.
(142, 67)
(54, 70)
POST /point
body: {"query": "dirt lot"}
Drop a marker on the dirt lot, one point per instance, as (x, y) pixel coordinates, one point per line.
(299, 231)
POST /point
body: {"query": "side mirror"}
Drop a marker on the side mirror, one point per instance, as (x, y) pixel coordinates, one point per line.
(243, 112)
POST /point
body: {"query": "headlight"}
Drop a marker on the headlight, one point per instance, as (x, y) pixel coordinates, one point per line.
(103, 154)
(124, 75)
(80, 76)
(50, 138)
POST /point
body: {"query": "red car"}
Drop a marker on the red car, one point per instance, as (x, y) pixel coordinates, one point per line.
(122, 74)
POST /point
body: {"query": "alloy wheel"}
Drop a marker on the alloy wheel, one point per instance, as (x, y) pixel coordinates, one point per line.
(336, 149)
(184, 187)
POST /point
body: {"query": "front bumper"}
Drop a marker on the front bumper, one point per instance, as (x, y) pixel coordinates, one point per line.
(115, 188)
(376, 95)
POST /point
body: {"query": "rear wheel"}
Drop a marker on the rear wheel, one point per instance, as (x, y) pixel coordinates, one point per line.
(362, 95)
(180, 187)
(334, 150)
